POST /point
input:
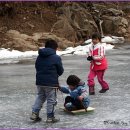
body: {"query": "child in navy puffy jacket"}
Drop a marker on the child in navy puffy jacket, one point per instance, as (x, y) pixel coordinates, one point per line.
(78, 92)
(48, 69)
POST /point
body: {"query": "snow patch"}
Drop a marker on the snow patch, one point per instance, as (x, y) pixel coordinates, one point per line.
(7, 56)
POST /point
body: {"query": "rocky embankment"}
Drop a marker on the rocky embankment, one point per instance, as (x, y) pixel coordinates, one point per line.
(27, 25)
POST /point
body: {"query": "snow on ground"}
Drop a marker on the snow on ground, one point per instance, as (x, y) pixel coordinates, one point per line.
(109, 39)
(6, 54)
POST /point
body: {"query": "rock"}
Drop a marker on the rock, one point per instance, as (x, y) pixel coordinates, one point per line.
(115, 25)
(75, 24)
(21, 42)
(69, 23)
(12, 33)
(21, 45)
(62, 28)
(112, 12)
(42, 37)
(15, 34)
(24, 42)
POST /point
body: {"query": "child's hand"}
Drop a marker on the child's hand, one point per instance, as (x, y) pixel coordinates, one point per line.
(80, 98)
(59, 87)
(89, 58)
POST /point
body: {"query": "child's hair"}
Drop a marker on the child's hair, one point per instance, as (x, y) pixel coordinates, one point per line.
(73, 80)
(96, 36)
(51, 44)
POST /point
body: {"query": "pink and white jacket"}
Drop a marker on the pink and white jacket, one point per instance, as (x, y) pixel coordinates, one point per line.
(99, 61)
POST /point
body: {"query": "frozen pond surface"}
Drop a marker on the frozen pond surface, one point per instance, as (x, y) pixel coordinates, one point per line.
(17, 94)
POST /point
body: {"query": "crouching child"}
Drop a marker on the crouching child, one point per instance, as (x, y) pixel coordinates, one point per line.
(78, 94)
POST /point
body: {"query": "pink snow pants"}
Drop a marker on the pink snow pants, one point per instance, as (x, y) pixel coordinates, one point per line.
(100, 75)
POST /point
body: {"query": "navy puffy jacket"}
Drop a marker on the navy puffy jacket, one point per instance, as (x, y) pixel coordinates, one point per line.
(48, 67)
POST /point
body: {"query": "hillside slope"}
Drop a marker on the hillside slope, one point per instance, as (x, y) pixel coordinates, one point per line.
(69, 23)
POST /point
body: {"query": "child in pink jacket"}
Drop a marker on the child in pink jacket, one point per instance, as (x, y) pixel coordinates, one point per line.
(98, 61)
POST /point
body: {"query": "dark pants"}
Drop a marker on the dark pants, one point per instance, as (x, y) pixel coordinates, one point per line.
(72, 104)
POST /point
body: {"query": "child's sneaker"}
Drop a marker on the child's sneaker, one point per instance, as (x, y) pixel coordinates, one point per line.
(103, 90)
(52, 120)
(35, 117)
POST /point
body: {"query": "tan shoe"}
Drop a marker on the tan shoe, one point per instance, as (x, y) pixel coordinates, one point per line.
(52, 120)
(35, 117)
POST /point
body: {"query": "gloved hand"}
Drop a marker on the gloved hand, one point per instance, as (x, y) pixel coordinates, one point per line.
(89, 58)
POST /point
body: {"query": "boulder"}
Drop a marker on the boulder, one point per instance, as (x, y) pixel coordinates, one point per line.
(41, 38)
(21, 42)
(115, 25)
(74, 23)
(24, 42)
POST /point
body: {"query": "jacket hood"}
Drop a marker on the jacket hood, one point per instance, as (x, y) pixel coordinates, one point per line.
(45, 52)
